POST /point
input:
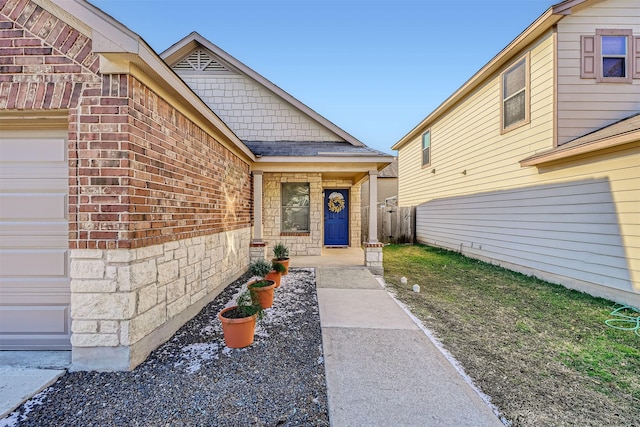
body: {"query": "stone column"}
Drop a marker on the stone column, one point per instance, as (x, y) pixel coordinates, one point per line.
(373, 206)
(373, 248)
(257, 207)
(258, 247)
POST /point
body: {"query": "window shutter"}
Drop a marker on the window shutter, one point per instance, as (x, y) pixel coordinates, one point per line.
(635, 57)
(588, 57)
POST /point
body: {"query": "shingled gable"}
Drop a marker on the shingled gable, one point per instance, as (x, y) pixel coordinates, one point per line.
(219, 78)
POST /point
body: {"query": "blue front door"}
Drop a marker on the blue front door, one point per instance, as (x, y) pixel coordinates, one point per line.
(336, 217)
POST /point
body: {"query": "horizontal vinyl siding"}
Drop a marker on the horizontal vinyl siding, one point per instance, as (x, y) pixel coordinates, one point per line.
(583, 104)
(468, 139)
(579, 222)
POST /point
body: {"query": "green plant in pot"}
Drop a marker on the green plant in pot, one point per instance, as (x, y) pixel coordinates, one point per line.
(281, 256)
(239, 321)
(276, 273)
(261, 289)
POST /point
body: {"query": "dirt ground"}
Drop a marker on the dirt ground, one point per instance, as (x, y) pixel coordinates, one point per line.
(541, 352)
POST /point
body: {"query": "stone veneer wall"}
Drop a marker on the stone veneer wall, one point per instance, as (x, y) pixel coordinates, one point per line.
(125, 302)
(305, 243)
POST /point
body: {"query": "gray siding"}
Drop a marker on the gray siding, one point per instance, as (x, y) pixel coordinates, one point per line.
(569, 229)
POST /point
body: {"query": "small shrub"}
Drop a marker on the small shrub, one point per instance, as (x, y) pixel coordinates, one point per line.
(280, 251)
(279, 268)
(260, 268)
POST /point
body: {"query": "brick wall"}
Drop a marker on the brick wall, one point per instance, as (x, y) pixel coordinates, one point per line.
(44, 63)
(148, 175)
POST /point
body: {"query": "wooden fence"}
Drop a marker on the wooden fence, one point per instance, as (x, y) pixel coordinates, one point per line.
(395, 224)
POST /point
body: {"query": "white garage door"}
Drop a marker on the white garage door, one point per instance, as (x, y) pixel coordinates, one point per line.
(34, 279)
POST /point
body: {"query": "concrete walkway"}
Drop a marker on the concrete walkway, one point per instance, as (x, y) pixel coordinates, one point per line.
(381, 368)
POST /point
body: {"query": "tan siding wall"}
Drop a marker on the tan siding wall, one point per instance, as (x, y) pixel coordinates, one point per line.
(469, 138)
(583, 104)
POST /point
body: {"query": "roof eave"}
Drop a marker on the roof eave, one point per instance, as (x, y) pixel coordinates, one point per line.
(535, 30)
(570, 151)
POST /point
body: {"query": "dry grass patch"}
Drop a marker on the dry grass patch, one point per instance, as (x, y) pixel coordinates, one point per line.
(542, 352)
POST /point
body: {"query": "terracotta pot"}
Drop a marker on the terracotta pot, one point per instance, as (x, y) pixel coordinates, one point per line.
(264, 294)
(238, 333)
(275, 276)
(284, 262)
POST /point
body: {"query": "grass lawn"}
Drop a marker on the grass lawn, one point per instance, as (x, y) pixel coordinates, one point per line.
(540, 351)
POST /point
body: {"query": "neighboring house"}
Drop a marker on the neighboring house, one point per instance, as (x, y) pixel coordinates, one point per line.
(534, 163)
(387, 187)
(131, 197)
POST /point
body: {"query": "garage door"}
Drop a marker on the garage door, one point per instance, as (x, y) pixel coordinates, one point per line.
(34, 279)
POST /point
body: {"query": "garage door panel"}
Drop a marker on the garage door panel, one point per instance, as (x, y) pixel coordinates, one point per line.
(34, 232)
(31, 239)
(33, 263)
(33, 150)
(21, 206)
(51, 290)
(33, 184)
(40, 319)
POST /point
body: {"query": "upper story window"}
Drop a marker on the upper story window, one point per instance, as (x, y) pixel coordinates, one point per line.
(515, 95)
(426, 148)
(295, 206)
(609, 56)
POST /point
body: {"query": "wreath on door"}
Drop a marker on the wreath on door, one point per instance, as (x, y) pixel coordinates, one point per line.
(336, 202)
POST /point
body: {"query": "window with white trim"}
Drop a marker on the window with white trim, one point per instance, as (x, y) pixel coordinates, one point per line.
(610, 56)
(515, 95)
(426, 148)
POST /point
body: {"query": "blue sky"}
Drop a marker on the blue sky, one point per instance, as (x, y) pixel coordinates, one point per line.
(373, 67)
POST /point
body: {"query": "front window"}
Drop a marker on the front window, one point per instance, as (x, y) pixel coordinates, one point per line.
(608, 56)
(295, 207)
(614, 56)
(426, 148)
(515, 96)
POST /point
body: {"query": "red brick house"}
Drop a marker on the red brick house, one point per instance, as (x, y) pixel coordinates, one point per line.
(127, 203)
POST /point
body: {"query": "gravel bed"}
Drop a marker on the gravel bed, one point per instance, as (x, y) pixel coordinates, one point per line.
(195, 380)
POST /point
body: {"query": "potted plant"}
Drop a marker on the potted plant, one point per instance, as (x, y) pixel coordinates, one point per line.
(262, 288)
(239, 321)
(281, 254)
(276, 273)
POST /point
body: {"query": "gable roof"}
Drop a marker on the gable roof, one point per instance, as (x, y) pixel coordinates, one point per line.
(544, 22)
(176, 53)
